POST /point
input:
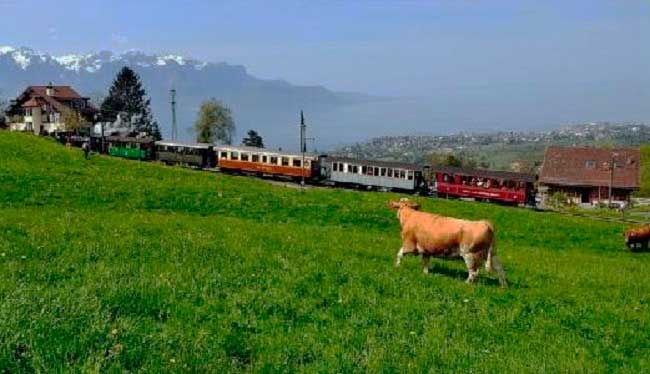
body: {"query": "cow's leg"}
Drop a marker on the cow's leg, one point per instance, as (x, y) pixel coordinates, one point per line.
(472, 267)
(496, 265)
(425, 263)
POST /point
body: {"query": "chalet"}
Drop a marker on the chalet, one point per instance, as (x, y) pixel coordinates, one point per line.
(586, 174)
(41, 109)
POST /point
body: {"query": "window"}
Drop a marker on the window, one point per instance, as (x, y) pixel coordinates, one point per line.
(383, 172)
(255, 158)
(376, 172)
(590, 164)
(244, 156)
(410, 175)
(335, 166)
(224, 154)
(274, 160)
(265, 159)
(296, 163)
(285, 161)
(389, 173)
(355, 169)
(370, 170)
(234, 155)
(402, 174)
(364, 170)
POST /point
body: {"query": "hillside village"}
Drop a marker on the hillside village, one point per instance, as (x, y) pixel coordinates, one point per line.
(514, 151)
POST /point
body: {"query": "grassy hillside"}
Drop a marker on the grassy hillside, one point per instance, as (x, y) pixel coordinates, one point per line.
(116, 265)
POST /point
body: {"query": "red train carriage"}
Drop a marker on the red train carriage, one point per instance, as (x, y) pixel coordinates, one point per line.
(266, 162)
(501, 186)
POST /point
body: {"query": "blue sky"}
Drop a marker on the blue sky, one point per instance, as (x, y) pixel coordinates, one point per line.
(588, 60)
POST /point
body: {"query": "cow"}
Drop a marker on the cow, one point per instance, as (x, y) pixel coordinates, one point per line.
(637, 236)
(432, 235)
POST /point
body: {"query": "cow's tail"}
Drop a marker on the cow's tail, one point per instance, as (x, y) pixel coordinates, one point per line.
(492, 263)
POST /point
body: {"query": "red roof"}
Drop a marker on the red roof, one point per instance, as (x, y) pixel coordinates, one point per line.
(589, 166)
(33, 102)
(60, 92)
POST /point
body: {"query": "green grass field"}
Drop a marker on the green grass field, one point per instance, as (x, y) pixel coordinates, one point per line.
(112, 265)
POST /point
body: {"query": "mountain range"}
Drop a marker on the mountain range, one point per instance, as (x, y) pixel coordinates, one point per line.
(271, 107)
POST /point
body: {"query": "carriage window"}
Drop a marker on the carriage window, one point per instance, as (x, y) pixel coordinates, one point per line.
(402, 174)
(285, 161)
(364, 170)
(377, 171)
(383, 172)
(410, 175)
(590, 164)
(389, 173)
(335, 166)
(255, 158)
(274, 160)
(296, 163)
(355, 170)
(265, 159)
(370, 170)
(224, 154)
(244, 156)
(234, 155)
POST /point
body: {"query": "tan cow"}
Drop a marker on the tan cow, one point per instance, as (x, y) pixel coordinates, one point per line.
(430, 235)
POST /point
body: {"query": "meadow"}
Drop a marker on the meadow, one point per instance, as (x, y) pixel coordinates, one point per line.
(114, 265)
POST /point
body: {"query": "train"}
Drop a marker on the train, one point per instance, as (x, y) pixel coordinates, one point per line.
(322, 169)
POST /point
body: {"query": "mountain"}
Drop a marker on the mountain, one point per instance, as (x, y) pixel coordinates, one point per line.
(269, 106)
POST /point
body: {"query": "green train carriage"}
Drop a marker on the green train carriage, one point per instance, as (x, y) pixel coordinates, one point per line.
(130, 147)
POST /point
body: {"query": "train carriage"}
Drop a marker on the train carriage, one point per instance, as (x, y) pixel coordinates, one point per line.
(130, 147)
(500, 186)
(198, 155)
(383, 175)
(268, 162)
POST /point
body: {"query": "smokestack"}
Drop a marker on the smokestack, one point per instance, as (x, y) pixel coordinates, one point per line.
(49, 90)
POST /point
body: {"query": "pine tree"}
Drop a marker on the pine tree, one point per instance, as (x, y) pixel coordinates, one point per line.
(253, 139)
(127, 95)
(214, 123)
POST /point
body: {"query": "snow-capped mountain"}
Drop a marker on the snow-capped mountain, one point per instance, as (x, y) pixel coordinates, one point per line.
(268, 106)
(91, 63)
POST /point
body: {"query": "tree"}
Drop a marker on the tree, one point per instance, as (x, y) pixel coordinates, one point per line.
(3, 118)
(214, 123)
(72, 120)
(253, 139)
(448, 159)
(127, 95)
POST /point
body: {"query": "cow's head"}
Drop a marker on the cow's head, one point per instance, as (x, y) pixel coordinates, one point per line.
(403, 202)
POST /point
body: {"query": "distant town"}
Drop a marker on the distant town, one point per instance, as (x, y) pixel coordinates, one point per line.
(511, 151)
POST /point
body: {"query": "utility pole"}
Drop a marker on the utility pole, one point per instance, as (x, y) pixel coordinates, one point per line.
(174, 129)
(611, 178)
(303, 145)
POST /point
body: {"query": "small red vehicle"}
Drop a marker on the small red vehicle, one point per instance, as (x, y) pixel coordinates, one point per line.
(488, 185)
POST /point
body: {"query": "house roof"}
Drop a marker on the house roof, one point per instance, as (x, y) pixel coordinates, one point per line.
(60, 92)
(59, 100)
(590, 166)
(493, 174)
(33, 102)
